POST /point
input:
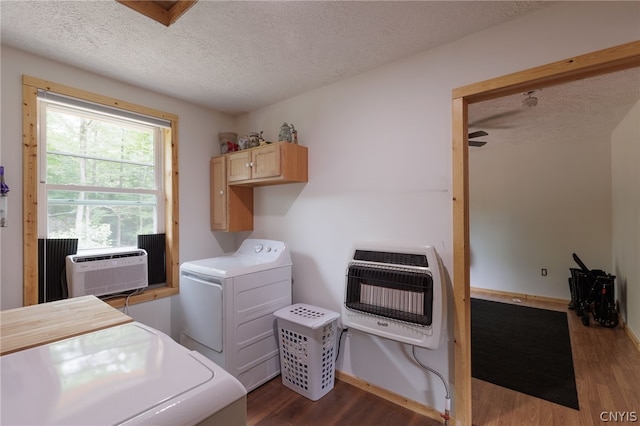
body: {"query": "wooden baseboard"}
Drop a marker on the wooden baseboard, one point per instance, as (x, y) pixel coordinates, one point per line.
(632, 336)
(521, 296)
(392, 397)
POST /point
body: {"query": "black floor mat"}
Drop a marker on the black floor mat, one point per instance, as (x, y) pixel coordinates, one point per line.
(524, 349)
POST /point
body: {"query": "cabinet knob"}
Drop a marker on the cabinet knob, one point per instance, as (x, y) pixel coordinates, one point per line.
(221, 192)
(251, 164)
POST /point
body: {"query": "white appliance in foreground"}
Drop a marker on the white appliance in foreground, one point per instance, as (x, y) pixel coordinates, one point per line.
(228, 304)
(125, 375)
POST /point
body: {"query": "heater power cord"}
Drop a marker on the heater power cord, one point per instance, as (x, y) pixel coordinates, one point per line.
(340, 341)
(447, 402)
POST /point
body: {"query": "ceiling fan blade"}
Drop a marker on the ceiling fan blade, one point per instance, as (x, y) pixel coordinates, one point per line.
(477, 143)
(483, 121)
(478, 134)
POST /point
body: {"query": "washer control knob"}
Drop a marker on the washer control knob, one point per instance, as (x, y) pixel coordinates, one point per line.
(258, 248)
(268, 249)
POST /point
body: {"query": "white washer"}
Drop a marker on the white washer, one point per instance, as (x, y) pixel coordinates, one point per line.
(125, 375)
(228, 304)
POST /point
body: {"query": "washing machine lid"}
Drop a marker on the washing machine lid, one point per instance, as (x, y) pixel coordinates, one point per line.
(254, 255)
(129, 374)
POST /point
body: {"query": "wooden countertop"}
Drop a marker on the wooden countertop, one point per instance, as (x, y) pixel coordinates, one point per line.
(35, 325)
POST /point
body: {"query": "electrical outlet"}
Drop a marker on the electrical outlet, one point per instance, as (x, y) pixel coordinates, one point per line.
(543, 272)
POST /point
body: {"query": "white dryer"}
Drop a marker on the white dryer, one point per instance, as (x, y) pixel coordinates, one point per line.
(227, 307)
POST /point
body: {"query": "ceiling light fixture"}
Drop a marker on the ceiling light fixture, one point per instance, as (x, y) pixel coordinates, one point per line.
(529, 101)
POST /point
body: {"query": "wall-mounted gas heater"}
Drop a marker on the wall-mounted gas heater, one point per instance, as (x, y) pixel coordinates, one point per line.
(106, 273)
(397, 293)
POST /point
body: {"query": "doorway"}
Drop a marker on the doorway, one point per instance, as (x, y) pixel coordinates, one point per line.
(605, 61)
(540, 188)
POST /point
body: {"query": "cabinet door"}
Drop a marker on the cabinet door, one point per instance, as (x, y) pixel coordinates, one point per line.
(239, 166)
(218, 193)
(265, 162)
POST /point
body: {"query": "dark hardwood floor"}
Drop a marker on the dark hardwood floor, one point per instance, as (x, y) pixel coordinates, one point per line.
(606, 363)
(275, 404)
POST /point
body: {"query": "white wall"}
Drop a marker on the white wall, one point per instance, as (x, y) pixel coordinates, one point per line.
(625, 148)
(380, 166)
(197, 139)
(533, 204)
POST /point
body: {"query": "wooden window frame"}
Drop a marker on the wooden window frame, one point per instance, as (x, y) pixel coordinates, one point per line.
(617, 58)
(30, 87)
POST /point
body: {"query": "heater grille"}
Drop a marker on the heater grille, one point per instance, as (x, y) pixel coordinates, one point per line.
(403, 294)
(406, 259)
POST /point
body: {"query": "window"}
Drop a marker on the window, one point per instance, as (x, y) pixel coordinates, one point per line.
(99, 169)
(101, 173)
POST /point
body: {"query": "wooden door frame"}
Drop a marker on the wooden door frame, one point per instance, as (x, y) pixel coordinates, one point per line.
(605, 61)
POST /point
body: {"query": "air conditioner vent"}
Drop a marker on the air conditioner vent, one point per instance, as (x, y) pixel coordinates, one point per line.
(107, 273)
(93, 258)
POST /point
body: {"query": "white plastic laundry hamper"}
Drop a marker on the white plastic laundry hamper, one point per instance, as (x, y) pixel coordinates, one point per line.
(307, 336)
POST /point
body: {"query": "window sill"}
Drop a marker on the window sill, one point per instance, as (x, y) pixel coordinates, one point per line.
(147, 296)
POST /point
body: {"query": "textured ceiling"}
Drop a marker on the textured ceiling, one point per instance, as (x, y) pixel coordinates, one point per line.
(237, 56)
(580, 111)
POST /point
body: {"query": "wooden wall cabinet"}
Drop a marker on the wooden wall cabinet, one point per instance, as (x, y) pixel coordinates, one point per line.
(272, 164)
(234, 175)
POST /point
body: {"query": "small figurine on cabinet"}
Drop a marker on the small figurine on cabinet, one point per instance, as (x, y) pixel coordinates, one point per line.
(254, 139)
(262, 140)
(243, 142)
(285, 133)
(228, 142)
(288, 133)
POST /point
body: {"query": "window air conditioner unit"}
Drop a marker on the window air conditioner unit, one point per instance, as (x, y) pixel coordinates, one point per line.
(106, 273)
